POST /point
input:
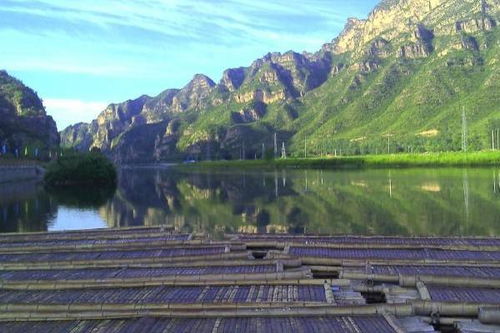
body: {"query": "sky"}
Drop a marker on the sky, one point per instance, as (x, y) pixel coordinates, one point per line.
(81, 55)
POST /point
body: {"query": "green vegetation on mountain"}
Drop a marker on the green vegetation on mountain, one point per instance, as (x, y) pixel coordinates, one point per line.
(406, 79)
(23, 120)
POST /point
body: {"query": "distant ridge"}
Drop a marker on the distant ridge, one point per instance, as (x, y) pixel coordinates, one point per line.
(404, 72)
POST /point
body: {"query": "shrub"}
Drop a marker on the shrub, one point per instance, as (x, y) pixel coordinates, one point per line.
(81, 169)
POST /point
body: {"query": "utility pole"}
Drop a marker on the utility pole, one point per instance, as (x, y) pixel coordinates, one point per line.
(305, 147)
(283, 151)
(464, 131)
(388, 144)
(498, 136)
(263, 150)
(275, 146)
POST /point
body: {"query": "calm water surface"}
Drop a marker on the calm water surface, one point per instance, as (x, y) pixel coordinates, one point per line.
(386, 202)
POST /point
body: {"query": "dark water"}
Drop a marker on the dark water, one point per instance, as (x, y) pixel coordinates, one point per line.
(386, 202)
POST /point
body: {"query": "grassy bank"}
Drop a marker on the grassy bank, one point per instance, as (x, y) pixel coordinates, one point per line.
(452, 159)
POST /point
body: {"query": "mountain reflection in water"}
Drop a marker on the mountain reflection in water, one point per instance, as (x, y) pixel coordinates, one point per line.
(385, 202)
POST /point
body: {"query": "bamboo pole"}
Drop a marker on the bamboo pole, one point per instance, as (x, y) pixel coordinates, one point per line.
(412, 280)
(287, 263)
(144, 260)
(135, 246)
(175, 283)
(367, 245)
(319, 261)
(212, 279)
(208, 312)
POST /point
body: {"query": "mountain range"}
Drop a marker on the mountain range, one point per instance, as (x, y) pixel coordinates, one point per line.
(413, 76)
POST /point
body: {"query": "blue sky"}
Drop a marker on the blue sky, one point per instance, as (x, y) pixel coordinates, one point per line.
(82, 55)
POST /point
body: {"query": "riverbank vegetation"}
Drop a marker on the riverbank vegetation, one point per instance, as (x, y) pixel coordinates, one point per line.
(444, 159)
(91, 168)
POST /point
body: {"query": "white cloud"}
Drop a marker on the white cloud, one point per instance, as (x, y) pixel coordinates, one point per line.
(69, 111)
(68, 67)
(188, 20)
(138, 38)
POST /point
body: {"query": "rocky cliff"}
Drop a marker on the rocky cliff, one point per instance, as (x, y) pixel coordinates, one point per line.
(405, 71)
(23, 120)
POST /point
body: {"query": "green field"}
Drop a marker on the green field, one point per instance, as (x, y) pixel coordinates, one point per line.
(445, 159)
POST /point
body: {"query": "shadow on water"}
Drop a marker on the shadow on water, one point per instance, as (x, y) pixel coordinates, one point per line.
(25, 207)
(28, 207)
(82, 197)
(387, 202)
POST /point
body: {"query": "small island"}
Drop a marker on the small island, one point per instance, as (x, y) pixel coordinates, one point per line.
(89, 169)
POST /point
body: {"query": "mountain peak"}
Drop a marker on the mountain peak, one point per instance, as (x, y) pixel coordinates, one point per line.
(193, 95)
(202, 79)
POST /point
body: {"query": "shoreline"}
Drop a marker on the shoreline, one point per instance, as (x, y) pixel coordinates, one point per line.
(441, 160)
(17, 173)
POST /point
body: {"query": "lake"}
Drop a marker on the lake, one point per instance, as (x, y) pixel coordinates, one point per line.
(364, 202)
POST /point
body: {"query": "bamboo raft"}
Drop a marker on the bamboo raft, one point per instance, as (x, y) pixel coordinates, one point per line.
(153, 279)
(188, 325)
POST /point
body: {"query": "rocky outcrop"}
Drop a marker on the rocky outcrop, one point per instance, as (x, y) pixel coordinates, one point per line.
(77, 136)
(250, 114)
(414, 50)
(138, 144)
(469, 43)
(193, 95)
(422, 47)
(379, 48)
(264, 96)
(367, 66)
(233, 78)
(116, 119)
(474, 25)
(336, 69)
(349, 38)
(155, 109)
(24, 121)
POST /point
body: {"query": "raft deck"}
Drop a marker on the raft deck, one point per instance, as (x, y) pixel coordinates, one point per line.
(154, 279)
